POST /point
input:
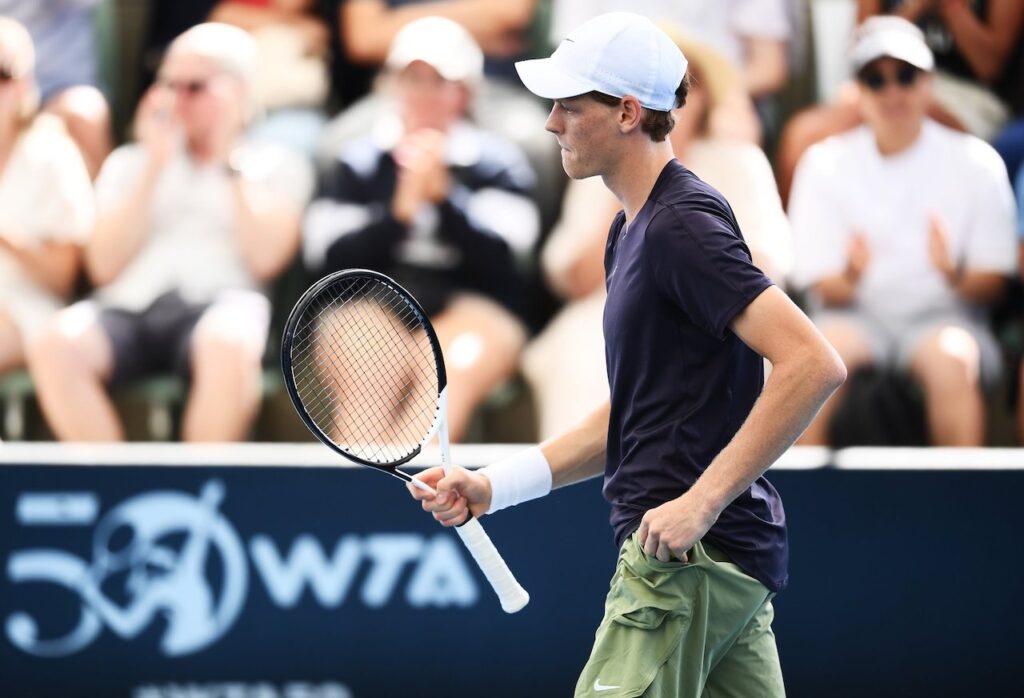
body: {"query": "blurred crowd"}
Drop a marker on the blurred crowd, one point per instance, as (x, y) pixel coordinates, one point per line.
(271, 142)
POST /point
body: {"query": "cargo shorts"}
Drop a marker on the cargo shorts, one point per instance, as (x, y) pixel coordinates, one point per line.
(695, 629)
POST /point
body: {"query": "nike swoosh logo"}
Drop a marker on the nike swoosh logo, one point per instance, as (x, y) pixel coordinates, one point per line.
(598, 686)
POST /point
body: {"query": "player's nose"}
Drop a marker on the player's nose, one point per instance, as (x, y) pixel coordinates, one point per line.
(553, 124)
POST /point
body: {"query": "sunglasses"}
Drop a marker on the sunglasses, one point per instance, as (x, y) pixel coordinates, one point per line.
(876, 81)
(8, 73)
(189, 87)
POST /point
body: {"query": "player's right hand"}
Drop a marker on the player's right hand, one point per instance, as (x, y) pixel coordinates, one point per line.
(459, 493)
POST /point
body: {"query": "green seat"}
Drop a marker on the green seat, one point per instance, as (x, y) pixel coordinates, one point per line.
(165, 393)
(16, 389)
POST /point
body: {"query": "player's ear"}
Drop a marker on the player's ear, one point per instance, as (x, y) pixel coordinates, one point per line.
(630, 114)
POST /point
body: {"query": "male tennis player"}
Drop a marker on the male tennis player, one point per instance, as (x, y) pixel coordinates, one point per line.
(685, 437)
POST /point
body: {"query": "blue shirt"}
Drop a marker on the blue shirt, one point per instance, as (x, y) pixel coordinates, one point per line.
(1020, 202)
(681, 382)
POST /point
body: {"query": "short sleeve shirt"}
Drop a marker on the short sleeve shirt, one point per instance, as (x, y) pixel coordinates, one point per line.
(844, 186)
(681, 381)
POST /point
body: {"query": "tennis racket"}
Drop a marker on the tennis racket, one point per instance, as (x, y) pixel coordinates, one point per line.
(364, 370)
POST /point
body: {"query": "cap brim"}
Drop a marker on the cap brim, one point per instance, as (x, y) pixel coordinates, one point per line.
(544, 78)
(917, 56)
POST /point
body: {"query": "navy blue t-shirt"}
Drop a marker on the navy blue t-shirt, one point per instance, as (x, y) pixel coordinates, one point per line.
(681, 382)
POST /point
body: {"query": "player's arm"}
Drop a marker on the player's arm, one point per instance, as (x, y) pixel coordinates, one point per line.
(806, 370)
(572, 457)
(578, 454)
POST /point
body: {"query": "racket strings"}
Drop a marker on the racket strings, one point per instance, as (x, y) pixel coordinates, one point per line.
(373, 425)
(411, 324)
(361, 356)
(365, 370)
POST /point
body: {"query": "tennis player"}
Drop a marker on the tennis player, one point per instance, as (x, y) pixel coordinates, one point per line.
(688, 431)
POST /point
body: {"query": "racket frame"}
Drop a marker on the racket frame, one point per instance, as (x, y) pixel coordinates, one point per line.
(510, 593)
(440, 414)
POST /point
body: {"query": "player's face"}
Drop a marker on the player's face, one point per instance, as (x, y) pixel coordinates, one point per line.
(585, 130)
(894, 95)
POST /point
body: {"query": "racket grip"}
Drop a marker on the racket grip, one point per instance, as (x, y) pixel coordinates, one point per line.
(511, 595)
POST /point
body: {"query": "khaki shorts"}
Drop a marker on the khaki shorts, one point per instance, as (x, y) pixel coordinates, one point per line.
(699, 629)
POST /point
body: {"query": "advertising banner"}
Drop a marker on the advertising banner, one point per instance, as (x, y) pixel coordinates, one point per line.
(269, 581)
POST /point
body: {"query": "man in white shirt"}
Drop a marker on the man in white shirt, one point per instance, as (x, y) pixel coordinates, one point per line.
(190, 226)
(904, 236)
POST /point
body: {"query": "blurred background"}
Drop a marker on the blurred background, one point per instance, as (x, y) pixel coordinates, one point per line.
(162, 210)
(175, 173)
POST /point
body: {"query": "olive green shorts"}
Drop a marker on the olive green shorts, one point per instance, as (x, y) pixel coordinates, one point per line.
(695, 629)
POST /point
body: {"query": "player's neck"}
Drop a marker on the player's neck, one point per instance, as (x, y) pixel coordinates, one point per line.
(634, 179)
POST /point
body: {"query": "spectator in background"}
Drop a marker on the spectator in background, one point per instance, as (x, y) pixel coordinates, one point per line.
(67, 56)
(502, 30)
(46, 203)
(369, 27)
(974, 44)
(565, 364)
(753, 34)
(191, 224)
(904, 238)
(441, 205)
(292, 77)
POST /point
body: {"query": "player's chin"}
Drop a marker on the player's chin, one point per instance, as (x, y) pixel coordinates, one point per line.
(571, 165)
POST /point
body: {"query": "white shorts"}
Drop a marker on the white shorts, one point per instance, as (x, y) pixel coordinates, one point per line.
(894, 342)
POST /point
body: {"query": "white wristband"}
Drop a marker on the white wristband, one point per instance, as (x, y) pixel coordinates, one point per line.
(518, 478)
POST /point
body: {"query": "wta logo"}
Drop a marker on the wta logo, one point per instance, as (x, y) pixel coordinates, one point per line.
(173, 559)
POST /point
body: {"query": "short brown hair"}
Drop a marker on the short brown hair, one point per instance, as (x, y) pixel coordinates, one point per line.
(656, 124)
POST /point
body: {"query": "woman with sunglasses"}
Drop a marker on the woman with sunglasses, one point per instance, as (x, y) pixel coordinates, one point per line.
(46, 206)
(904, 233)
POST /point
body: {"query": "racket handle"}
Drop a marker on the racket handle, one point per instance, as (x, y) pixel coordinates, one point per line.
(511, 595)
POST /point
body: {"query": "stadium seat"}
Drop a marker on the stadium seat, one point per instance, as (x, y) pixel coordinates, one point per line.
(16, 390)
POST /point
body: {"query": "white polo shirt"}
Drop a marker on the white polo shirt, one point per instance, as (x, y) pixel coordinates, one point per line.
(190, 243)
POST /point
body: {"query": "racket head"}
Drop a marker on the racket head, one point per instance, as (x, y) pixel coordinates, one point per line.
(363, 368)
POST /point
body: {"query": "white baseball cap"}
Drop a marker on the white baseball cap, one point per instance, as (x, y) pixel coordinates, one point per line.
(441, 43)
(618, 54)
(890, 37)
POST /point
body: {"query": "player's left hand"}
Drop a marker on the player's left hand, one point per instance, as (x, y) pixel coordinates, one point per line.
(670, 530)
